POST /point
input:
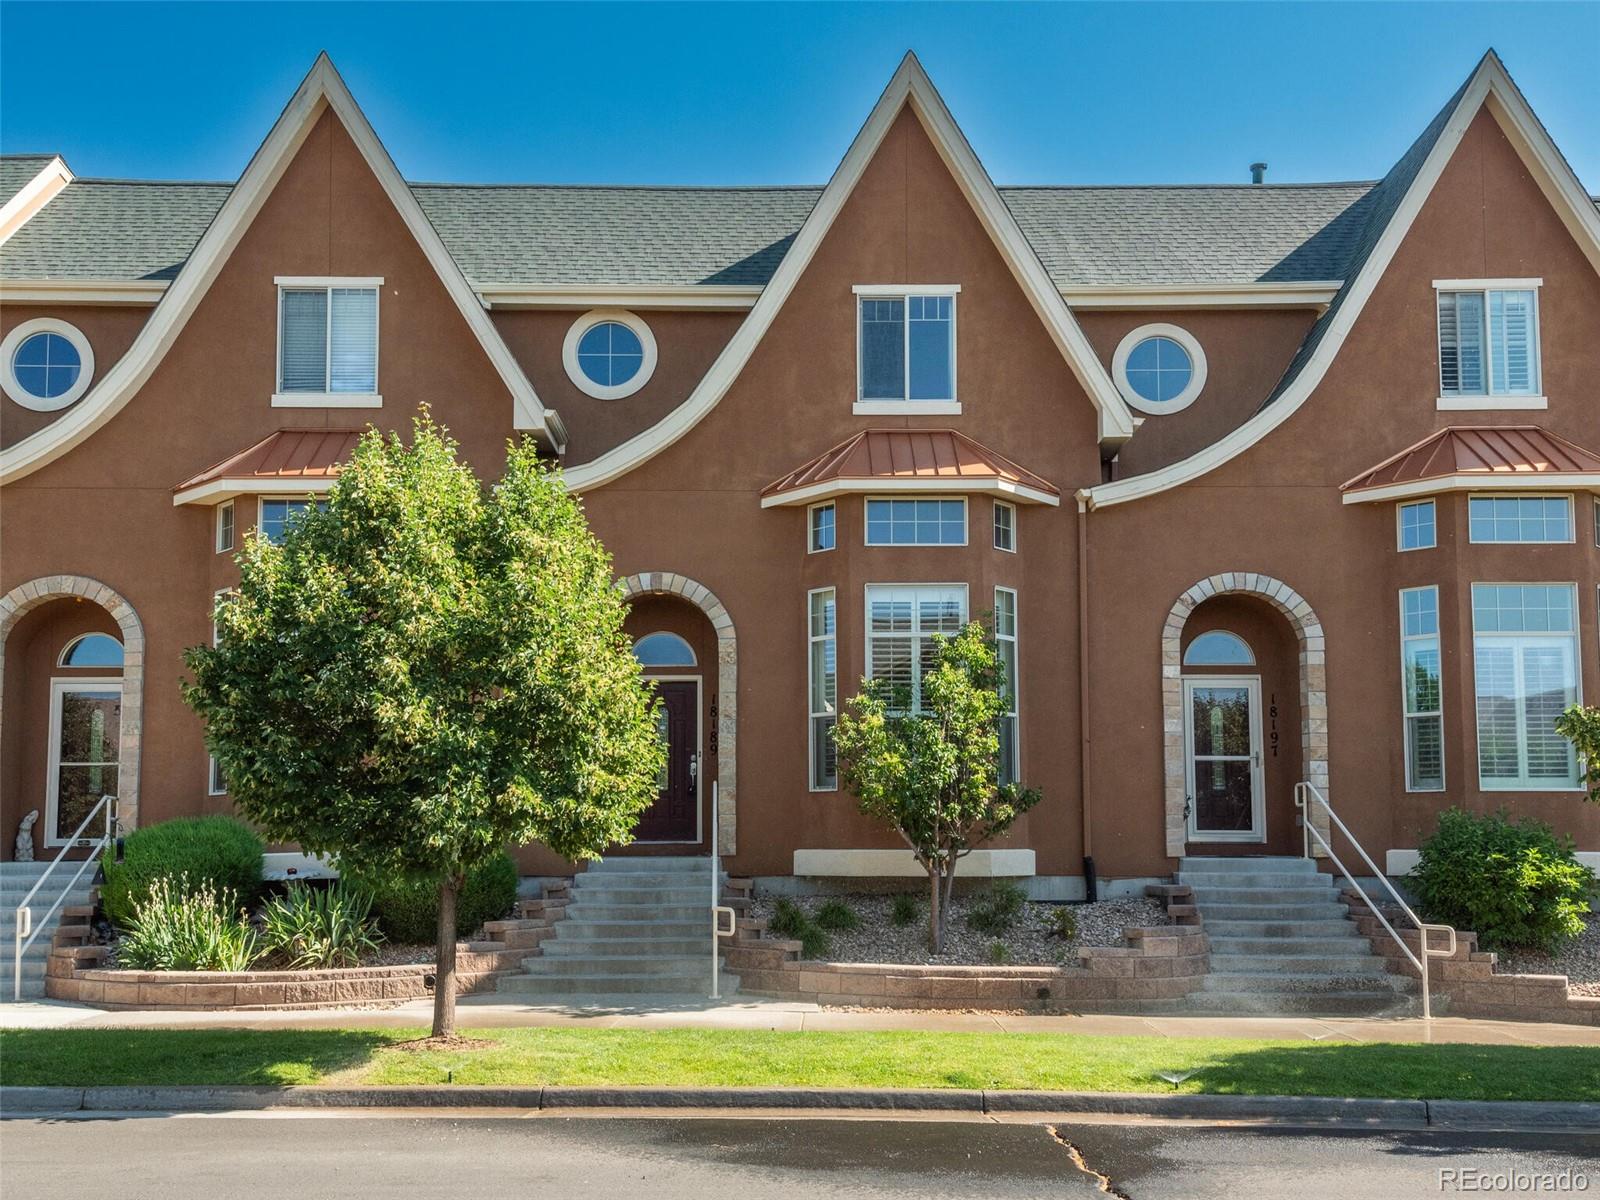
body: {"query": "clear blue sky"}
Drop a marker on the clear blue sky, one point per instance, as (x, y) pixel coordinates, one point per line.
(747, 93)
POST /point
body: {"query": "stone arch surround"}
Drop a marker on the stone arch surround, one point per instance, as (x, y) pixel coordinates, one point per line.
(666, 583)
(26, 597)
(1313, 688)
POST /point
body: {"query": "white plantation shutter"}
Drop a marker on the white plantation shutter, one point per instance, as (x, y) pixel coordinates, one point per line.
(1525, 646)
(1547, 689)
(303, 361)
(901, 622)
(1512, 340)
(1461, 343)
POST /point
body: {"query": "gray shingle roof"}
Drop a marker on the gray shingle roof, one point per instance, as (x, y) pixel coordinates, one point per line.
(17, 170)
(553, 235)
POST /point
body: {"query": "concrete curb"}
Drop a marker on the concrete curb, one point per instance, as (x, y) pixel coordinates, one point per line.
(1289, 1110)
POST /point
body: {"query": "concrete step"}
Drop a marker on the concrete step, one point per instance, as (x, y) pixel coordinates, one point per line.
(587, 910)
(1347, 944)
(1249, 864)
(1236, 927)
(663, 863)
(1321, 1004)
(1352, 962)
(1286, 910)
(578, 930)
(1238, 879)
(1311, 893)
(561, 947)
(617, 964)
(599, 987)
(1301, 983)
(643, 895)
(700, 878)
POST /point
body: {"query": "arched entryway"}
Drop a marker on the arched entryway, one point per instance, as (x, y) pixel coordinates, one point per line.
(1266, 644)
(60, 673)
(682, 610)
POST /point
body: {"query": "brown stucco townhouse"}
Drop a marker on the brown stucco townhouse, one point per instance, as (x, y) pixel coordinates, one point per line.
(1262, 484)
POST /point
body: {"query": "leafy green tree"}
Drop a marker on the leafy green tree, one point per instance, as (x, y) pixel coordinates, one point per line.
(1580, 725)
(934, 775)
(429, 671)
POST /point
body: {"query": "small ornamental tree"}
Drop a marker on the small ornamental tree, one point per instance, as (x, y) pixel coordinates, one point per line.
(934, 775)
(1580, 725)
(427, 672)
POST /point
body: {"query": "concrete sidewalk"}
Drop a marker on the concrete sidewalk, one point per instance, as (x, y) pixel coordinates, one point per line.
(646, 1012)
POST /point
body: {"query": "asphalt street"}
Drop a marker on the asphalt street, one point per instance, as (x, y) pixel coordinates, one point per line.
(363, 1157)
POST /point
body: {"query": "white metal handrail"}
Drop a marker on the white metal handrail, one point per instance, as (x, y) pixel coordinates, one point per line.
(1308, 790)
(25, 932)
(718, 909)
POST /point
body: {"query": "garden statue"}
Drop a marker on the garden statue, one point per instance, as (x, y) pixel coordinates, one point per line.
(25, 837)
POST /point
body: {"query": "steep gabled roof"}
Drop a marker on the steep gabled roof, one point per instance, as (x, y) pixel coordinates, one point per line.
(918, 460)
(1477, 456)
(1393, 206)
(320, 91)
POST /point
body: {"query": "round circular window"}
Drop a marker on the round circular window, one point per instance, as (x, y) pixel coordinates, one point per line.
(1159, 368)
(609, 354)
(45, 364)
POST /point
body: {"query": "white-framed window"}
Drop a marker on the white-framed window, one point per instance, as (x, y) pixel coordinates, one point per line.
(1526, 519)
(85, 739)
(1005, 526)
(1421, 689)
(277, 514)
(1488, 343)
(1005, 642)
(916, 522)
(218, 598)
(901, 622)
(1525, 670)
(46, 364)
(1159, 368)
(663, 649)
(225, 527)
(822, 614)
(1597, 520)
(215, 784)
(91, 650)
(609, 353)
(327, 343)
(1418, 525)
(822, 531)
(906, 348)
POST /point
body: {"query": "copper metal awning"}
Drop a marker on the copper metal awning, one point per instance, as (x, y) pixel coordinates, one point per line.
(1478, 457)
(292, 461)
(908, 460)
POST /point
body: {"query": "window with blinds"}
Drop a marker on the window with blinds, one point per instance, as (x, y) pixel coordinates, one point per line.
(824, 688)
(1005, 645)
(901, 622)
(1424, 704)
(1524, 646)
(1489, 343)
(328, 340)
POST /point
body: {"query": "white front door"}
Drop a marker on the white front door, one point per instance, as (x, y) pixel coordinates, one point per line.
(1222, 756)
(85, 733)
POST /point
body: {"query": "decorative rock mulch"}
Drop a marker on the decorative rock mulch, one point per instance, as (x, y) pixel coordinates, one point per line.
(1578, 960)
(1031, 941)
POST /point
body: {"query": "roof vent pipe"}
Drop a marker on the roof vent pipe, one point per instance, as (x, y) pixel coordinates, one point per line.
(1258, 172)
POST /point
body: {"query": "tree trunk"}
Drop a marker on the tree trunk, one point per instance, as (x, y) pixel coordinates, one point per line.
(444, 981)
(935, 915)
(949, 888)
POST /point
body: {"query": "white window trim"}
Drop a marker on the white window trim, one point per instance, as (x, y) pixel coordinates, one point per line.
(1197, 361)
(995, 525)
(283, 399)
(909, 407)
(1572, 516)
(811, 715)
(214, 777)
(1597, 520)
(866, 507)
(811, 547)
(1399, 525)
(1015, 712)
(232, 526)
(1576, 634)
(21, 395)
(1437, 637)
(599, 316)
(61, 658)
(1490, 401)
(52, 783)
(866, 612)
(216, 602)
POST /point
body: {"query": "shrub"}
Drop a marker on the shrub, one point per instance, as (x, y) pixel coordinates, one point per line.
(999, 953)
(997, 911)
(1515, 882)
(408, 911)
(905, 910)
(814, 942)
(1580, 725)
(1064, 923)
(194, 853)
(788, 919)
(180, 927)
(311, 927)
(837, 917)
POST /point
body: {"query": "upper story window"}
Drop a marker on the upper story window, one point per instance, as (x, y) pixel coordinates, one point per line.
(824, 532)
(1488, 343)
(1519, 519)
(907, 339)
(1005, 526)
(327, 343)
(45, 364)
(1418, 526)
(276, 516)
(609, 354)
(225, 527)
(1159, 368)
(917, 522)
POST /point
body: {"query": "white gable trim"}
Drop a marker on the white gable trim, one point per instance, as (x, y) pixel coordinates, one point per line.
(32, 196)
(1490, 84)
(322, 89)
(910, 85)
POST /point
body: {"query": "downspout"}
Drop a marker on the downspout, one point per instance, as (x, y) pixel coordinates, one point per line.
(1090, 884)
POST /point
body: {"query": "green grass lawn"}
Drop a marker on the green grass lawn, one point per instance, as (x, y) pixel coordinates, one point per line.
(1065, 1062)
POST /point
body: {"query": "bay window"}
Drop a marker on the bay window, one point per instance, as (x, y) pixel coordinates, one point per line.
(1005, 641)
(1424, 706)
(901, 622)
(1525, 662)
(823, 686)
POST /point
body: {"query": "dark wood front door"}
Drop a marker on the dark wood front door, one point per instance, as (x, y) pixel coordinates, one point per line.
(674, 817)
